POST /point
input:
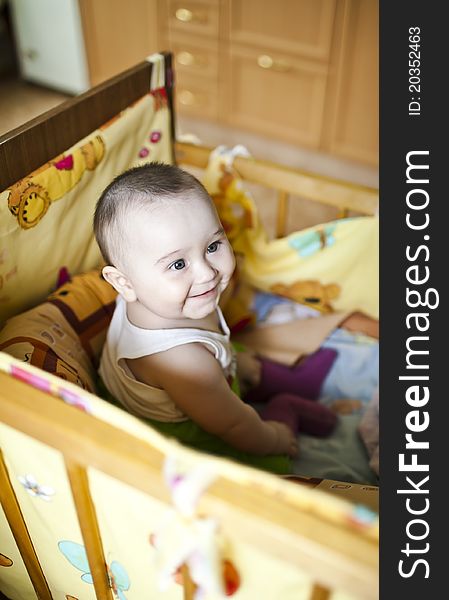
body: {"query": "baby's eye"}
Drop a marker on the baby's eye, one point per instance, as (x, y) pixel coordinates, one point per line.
(213, 247)
(178, 265)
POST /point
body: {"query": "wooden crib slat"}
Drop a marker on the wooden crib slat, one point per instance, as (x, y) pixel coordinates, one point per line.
(90, 531)
(187, 584)
(85, 508)
(320, 593)
(281, 222)
(343, 213)
(19, 530)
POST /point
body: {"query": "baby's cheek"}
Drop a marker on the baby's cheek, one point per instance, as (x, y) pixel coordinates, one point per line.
(175, 290)
(229, 262)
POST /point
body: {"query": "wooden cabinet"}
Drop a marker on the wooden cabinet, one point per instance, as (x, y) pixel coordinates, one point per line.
(278, 67)
(196, 72)
(351, 123)
(301, 71)
(191, 30)
(118, 34)
(276, 94)
(300, 27)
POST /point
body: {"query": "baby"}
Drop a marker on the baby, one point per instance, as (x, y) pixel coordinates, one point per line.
(168, 356)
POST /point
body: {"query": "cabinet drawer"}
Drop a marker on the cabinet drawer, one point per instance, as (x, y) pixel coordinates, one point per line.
(278, 95)
(196, 97)
(198, 58)
(193, 16)
(302, 27)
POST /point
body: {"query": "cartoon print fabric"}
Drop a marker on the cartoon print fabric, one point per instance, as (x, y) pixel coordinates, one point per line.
(46, 218)
(330, 267)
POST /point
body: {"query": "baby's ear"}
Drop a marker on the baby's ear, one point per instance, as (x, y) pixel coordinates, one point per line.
(120, 283)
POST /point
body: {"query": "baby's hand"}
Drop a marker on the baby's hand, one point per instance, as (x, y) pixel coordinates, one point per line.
(287, 441)
(249, 370)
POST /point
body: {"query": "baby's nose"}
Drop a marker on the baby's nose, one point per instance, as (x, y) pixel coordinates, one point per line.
(205, 271)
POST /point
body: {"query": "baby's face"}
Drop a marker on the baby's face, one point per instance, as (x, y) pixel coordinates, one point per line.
(181, 259)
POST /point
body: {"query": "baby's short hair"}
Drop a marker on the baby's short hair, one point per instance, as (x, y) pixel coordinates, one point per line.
(136, 189)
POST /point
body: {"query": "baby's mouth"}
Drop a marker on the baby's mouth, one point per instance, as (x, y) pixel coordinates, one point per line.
(206, 293)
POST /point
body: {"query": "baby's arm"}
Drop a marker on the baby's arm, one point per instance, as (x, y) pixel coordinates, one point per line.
(358, 322)
(194, 380)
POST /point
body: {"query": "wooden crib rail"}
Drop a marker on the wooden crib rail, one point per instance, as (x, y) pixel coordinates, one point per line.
(31, 145)
(334, 556)
(287, 181)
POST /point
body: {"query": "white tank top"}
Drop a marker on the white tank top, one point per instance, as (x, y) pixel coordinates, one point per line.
(125, 340)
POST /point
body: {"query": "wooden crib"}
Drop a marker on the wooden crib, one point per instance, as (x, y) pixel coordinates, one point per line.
(283, 540)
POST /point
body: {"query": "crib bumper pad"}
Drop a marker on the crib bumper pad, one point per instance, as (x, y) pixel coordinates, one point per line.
(46, 218)
(65, 334)
(128, 518)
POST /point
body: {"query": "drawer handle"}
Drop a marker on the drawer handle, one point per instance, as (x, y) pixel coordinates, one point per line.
(184, 14)
(185, 58)
(187, 98)
(267, 62)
